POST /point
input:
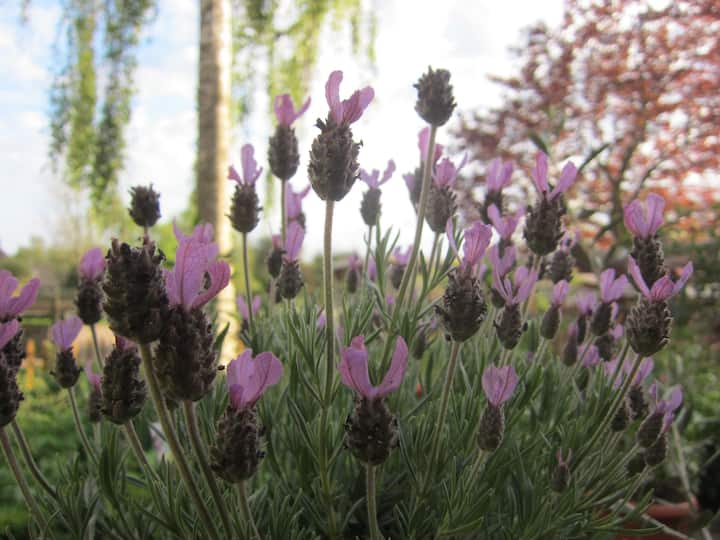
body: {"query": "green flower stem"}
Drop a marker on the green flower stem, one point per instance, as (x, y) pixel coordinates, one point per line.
(248, 296)
(199, 448)
(444, 400)
(433, 252)
(283, 213)
(96, 346)
(30, 461)
(479, 460)
(78, 425)
(367, 255)
(245, 509)
(372, 503)
(22, 484)
(425, 190)
(329, 361)
(172, 440)
(135, 444)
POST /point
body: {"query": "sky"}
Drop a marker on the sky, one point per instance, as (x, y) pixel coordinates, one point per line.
(468, 37)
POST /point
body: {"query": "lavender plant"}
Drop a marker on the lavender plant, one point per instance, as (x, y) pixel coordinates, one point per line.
(522, 423)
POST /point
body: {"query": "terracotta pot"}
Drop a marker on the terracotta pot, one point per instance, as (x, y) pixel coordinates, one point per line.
(677, 516)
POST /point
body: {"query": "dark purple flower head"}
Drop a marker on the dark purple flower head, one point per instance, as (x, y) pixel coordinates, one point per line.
(194, 259)
(371, 179)
(668, 406)
(567, 177)
(243, 307)
(644, 220)
(401, 258)
(12, 306)
(503, 264)
(498, 175)
(519, 290)
(664, 287)
(560, 291)
(64, 332)
(423, 141)
(505, 226)
(446, 173)
(477, 238)
(92, 264)
(611, 289)
(348, 110)
(499, 383)
(354, 369)
(294, 241)
(248, 378)
(8, 330)
(285, 110)
(250, 171)
(586, 303)
(293, 201)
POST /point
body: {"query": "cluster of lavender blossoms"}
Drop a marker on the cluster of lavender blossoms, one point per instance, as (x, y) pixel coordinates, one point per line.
(513, 396)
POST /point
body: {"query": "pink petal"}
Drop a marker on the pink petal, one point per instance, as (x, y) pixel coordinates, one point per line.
(389, 170)
(24, 300)
(662, 289)
(526, 288)
(354, 367)
(249, 166)
(423, 141)
(540, 173)
(499, 383)
(219, 272)
(646, 366)
(618, 288)
(450, 233)
(370, 179)
(332, 95)
(676, 398)
(354, 107)
(232, 175)
(93, 378)
(409, 181)
(684, 276)
(634, 270)
(567, 177)
(65, 332)
(92, 264)
(477, 239)
(267, 371)
(634, 218)
(655, 206)
(560, 292)
(243, 307)
(8, 331)
(256, 303)
(395, 374)
(239, 369)
(293, 243)
(495, 218)
(493, 175)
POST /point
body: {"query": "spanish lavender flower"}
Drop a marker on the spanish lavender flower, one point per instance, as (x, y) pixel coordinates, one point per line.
(11, 307)
(562, 262)
(551, 319)
(89, 295)
(274, 260)
(505, 226)
(123, 391)
(441, 199)
(611, 290)
(370, 205)
(236, 454)
(497, 178)
(94, 403)
(643, 221)
(371, 429)
(283, 155)
(245, 312)
(290, 280)
(648, 324)
(463, 306)
(400, 260)
(509, 327)
(245, 208)
(293, 204)
(134, 286)
(144, 206)
(10, 394)
(186, 361)
(498, 385)
(570, 351)
(586, 303)
(63, 334)
(661, 416)
(333, 166)
(560, 479)
(502, 265)
(435, 101)
(543, 227)
(354, 269)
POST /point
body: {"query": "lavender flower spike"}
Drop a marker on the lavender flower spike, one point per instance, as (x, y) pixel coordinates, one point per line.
(371, 179)
(477, 239)
(285, 110)
(249, 377)
(290, 280)
(92, 264)
(446, 173)
(354, 369)
(498, 175)
(644, 220)
(348, 110)
(611, 289)
(567, 177)
(13, 306)
(663, 288)
(499, 383)
(64, 333)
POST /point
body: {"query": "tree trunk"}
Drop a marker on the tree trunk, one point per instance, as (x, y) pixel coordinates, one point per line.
(213, 106)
